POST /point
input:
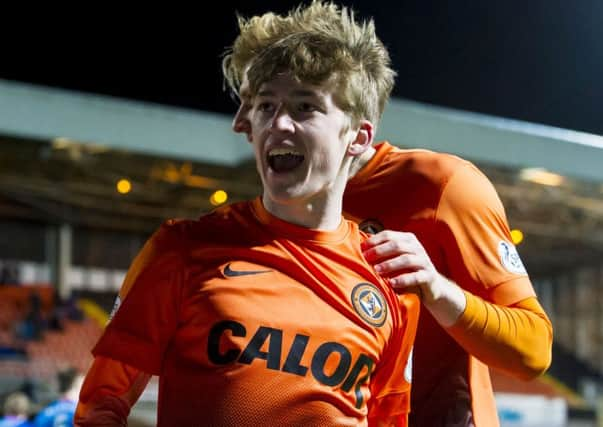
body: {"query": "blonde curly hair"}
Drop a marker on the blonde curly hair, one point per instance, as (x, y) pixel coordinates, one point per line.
(315, 43)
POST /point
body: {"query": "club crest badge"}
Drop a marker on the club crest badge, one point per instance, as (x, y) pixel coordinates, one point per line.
(369, 303)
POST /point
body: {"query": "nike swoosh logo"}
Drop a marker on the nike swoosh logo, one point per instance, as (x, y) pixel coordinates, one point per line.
(228, 272)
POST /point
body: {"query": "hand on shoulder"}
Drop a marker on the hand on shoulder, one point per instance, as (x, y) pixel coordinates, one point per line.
(402, 260)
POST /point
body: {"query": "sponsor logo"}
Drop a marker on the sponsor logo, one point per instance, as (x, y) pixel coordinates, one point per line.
(351, 373)
(509, 258)
(369, 303)
(229, 272)
(371, 226)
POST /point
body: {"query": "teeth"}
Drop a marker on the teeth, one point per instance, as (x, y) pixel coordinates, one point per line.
(281, 151)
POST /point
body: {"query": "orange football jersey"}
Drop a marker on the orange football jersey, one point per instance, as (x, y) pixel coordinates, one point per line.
(456, 214)
(249, 320)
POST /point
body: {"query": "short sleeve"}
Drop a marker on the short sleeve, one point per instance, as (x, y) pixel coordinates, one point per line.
(474, 234)
(145, 321)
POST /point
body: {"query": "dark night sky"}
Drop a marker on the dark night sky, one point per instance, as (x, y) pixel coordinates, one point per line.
(537, 60)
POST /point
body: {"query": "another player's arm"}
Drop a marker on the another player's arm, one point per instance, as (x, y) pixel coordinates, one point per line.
(511, 330)
(502, 324)
(516, 339)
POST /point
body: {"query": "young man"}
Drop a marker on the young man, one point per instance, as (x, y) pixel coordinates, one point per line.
(265, 312)
(451, 243)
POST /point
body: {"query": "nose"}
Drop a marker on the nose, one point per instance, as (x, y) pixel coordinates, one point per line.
(282, 120)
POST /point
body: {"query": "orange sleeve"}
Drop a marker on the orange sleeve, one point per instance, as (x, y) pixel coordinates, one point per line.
(109, 391)
(143, 325)
(152, 249)
(503, 324)
(111, 386)
(515, 339)
(141, 329)
(474, 234)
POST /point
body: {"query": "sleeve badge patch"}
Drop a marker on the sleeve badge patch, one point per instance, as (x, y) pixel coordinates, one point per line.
(116, 305)
(510, 258)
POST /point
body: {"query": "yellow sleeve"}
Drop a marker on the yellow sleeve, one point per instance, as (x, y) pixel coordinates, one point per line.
(516, 339)
(110, 389)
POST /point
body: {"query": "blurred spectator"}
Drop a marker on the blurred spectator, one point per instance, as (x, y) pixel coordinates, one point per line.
(32, 326)
(9, 274)
(73, 310)
(58, 313)
(16, 411)
(64, 310)
(60, 412)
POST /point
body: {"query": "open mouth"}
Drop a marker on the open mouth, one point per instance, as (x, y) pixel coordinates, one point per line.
(283, 160)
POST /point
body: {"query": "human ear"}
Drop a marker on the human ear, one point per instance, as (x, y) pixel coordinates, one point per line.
(363, 138)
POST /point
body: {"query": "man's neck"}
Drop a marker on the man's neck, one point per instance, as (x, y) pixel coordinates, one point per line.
(361, 161)
(319, 213)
